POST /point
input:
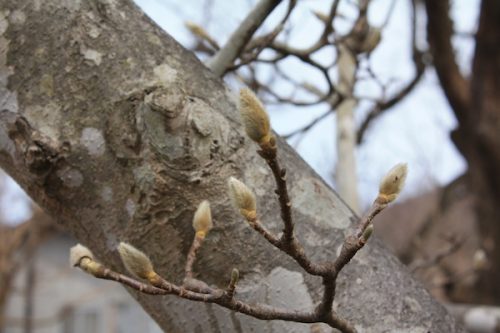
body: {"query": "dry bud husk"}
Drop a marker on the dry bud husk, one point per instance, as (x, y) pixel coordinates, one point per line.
(136, 261)
(202, 220)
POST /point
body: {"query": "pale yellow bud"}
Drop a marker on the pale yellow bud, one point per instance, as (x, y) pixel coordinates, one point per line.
(202, 220)
(242, 198)
(392, 183)
(136, 261)
(367, 233)
(196, 29)
(77, 253)
(255, 118)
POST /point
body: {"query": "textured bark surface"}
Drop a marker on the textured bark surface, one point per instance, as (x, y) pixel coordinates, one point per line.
(119, 132)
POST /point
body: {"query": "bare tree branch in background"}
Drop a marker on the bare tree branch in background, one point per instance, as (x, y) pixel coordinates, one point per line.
(350, 51)
(17, 244)
(440, 31)
(475, 102)
(224, 58)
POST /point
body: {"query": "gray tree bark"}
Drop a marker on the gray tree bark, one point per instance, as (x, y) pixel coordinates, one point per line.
(119, 132)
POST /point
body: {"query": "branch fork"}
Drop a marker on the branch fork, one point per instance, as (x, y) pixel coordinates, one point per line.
(148, 281)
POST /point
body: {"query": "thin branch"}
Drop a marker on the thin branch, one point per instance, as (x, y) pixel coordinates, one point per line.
(419, 65)
(367, 219)
(380, 107)
(454, 245)
(224, 59)
(269, 155)
(191, 257)
(255, 46)
(162, 287)
(439, 35)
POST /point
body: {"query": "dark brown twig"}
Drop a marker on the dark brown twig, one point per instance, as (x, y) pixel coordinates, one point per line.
(191, 257)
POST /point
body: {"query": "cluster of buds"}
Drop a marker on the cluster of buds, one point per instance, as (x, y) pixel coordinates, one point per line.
(257, 126)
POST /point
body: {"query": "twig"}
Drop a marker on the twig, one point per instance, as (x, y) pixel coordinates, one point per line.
(419, 66)
(269, 155)
(257, 127)
(224, 59)
(453, 245)
(191, 257)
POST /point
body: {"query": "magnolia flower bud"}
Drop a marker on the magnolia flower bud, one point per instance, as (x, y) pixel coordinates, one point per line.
(202, 220)
(235, 276)
(392, 183)
(77, 253)
(196, 29)
(255, 118)
(136, 261)
(242, 198)
(367, 233)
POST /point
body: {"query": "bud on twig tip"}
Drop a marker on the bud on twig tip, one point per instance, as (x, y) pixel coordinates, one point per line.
(77, 253)
(136, 262)
(367, 233)
(255, 118)
(392, 183)
(242, 197)
(202, 220)
(196, 29)
(235, 275)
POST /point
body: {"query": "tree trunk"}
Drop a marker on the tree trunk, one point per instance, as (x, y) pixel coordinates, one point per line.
(480, 141)
(119, 132)
(476, 105)
(346, 177)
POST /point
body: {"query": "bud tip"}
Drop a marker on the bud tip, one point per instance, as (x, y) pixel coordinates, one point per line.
(202, 220)
(135, 261)
(77, 253)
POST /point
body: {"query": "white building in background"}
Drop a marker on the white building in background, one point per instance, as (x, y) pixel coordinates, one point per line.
(66, 300)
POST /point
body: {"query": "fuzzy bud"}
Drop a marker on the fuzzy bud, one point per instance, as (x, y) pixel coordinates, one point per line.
(235, 276)
(392, 183)
(136, 261)
(196, 29)
(77, 253)
(255, 118)
(242, 198)
(367, 233)
(202, 220)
